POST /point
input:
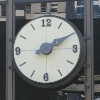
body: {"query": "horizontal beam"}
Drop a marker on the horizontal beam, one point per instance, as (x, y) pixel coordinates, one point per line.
(80, 88)
(33, 1)
(37, 1)
(96, 78)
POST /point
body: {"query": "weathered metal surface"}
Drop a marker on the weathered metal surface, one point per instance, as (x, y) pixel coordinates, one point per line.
(88, 31)
(10, 88)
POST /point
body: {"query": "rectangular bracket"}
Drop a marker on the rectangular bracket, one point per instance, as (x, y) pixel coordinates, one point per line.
(86, 38)
(11, 40)
(11, 67)
(86, 65)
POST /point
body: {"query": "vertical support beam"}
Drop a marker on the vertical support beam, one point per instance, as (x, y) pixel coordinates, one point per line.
(10, 90)
(88, 31)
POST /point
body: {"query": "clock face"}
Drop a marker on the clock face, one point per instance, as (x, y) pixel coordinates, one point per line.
(47, 51)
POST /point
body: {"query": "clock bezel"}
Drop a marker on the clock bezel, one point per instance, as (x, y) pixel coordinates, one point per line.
(69, 77)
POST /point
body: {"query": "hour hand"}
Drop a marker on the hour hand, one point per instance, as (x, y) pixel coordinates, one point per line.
(58, 41)
(45, 48)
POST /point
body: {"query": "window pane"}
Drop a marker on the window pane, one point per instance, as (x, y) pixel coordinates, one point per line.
(96, 11)
(53, 7)
(3, 10)
(43, 7)
(28, 8)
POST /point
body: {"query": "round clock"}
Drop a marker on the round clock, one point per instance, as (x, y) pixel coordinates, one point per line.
(49, 52)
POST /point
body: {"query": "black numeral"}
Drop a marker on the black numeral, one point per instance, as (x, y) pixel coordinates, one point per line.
(45, 77)
(46, 22)
(17, 49)
(74, 48)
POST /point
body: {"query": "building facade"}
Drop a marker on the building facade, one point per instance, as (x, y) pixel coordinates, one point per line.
(33, 10)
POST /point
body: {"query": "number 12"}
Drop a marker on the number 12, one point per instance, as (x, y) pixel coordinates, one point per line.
(46, 22)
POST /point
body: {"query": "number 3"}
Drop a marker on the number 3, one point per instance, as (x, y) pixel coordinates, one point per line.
(74, 48)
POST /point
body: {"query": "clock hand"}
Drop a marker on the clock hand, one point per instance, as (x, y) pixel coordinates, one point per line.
(46, 48)
(58, 41)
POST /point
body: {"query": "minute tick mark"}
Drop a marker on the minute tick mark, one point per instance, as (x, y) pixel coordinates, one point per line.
(22, 37)
(33, 27)
(22, 64)
(60, 25)
(32, 73)
(59, 72)
(70, 62)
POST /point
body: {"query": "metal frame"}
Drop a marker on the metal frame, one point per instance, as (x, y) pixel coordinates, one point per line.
(37, 1)
(88, 32)
(10, 33)
(79, 88)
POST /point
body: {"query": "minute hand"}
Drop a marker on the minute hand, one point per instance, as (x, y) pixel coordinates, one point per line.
(58, 41)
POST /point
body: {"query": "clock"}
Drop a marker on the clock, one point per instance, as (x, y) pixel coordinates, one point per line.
(49, 52)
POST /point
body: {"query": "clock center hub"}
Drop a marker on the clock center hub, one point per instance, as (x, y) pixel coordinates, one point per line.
(46, 48)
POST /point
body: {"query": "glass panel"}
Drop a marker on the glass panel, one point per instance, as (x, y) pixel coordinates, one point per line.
(2, 51)
(96, 15)
(75, 9)
(96, 8)
(28, 8)
(43, 7)
(53, 8)
(3, 10)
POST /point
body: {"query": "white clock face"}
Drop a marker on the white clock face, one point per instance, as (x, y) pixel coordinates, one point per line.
(47, 49)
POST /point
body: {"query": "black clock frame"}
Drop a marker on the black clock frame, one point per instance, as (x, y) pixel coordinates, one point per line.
(71, 76)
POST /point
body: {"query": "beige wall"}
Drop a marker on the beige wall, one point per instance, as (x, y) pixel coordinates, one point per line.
(48, 7)
(36, 10)
(61, 7)
(19, 12)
